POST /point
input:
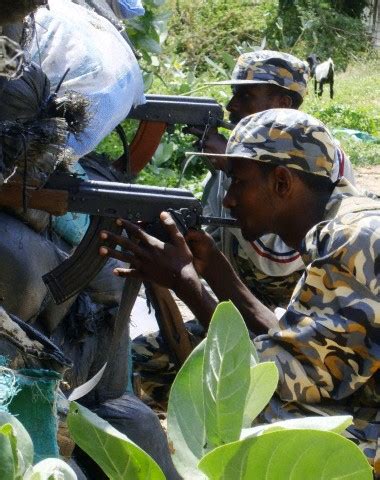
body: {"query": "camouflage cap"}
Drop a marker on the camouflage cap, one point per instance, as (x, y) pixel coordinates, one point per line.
(267, 66)
(283, 136)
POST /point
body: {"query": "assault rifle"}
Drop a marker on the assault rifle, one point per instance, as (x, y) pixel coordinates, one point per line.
(161, 112)
(103, 201)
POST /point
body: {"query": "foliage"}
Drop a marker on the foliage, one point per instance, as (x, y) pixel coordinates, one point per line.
(16, 455)
(344, 116)
(118, 456)
(360, 153)
(304, 26)
(200, 29)
(220, 389)
(147, 34)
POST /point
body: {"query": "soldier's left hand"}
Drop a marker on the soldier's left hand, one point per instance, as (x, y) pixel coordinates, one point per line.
(168, 264)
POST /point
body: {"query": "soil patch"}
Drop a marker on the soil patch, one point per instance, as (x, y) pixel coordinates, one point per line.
(368, 178)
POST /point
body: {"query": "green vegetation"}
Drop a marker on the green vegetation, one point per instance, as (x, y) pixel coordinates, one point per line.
(209, 422)
(209, 426)
(186, 43)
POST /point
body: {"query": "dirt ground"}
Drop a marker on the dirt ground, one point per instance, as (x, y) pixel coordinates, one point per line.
(368, 178)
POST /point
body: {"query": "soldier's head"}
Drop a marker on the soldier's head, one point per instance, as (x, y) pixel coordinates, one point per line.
(283, 168)
(266, 79)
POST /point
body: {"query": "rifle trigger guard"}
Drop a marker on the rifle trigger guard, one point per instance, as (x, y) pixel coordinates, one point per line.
(184, 219)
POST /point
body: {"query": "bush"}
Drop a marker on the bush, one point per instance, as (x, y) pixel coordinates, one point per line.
(344, 116)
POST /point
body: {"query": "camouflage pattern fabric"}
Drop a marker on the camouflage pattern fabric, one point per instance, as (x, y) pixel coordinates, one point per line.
(272, 291)
(270, 67)
(287, 137)
(155, 366)
(327, 344)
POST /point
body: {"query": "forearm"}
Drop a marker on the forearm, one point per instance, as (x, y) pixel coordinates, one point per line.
(194, 294)
(227, 285)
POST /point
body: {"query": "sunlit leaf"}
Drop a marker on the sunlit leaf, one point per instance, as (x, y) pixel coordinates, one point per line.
(226, 375)
(337, 424)
(295, 454)
(186, 428)
(263, 384)
(115, 454)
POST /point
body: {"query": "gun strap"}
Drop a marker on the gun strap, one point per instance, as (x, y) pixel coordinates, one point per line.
(145, 143)
(170, 322)
(128, 298)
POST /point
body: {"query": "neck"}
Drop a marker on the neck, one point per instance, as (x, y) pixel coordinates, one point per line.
(307, 214)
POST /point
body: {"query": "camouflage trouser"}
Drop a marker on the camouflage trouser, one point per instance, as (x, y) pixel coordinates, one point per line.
(155, 365)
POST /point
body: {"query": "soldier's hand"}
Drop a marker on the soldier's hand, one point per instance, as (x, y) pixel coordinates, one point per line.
(210, 142)
(204, 250)
(168, 264)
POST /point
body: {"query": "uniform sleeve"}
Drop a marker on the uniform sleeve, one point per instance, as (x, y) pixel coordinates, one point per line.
(327, 345)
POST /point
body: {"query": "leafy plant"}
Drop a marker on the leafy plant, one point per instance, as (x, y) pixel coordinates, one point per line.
(217, 395)
(16, 455)
(118, 456)
(345, 116)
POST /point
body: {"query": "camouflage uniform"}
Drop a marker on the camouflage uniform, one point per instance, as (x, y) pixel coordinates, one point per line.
(327, 344)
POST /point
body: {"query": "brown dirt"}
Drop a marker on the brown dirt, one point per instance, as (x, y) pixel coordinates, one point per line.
(368, 178)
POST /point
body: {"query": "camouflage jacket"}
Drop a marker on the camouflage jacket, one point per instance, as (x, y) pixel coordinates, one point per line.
(327, 344)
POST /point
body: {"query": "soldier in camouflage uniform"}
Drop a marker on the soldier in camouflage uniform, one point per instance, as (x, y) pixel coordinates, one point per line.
(327, 344)
(270, 268)
(261, 80)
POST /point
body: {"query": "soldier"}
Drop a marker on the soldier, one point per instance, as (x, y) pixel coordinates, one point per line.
(327, 344)
(261, 80)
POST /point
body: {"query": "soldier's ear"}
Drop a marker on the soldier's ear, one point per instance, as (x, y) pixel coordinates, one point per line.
(285, 101)
(283, 181)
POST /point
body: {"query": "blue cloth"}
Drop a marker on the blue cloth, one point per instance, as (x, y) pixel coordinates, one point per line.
(131, 8)
(72, 226)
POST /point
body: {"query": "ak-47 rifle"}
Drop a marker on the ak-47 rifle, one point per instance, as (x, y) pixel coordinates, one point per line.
(103, 201)
(161, 112)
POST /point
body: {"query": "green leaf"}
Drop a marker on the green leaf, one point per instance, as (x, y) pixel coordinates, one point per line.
(226, 375)
(150, 45)
(263, 384)
(23, 443)
(295, 454)
(336, 423)
(51, 469)
(8, 459)
(186, 428)
(118, 456)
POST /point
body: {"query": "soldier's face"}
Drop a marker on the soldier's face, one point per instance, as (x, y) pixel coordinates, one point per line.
(249, 99)
(248, 198)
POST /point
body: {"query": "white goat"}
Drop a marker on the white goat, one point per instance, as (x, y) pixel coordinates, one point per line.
(322, 73)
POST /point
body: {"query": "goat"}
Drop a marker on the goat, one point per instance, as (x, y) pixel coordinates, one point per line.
(322, 73)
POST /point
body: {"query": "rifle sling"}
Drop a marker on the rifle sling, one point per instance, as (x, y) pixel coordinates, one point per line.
(170, 322)
(145, 143)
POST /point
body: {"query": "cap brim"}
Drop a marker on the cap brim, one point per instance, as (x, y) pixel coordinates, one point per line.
(237, 82)
(219, 155)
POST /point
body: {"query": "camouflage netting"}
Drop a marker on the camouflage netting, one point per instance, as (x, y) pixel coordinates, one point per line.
(31, 143)
(34, 128)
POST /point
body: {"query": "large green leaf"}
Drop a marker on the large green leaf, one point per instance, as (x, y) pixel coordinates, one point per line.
(291, 454)
(226, 375)
(336, 423)
(22, 443)
(119, 457)
(264, 380)
(186, 428)
(8, 456)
